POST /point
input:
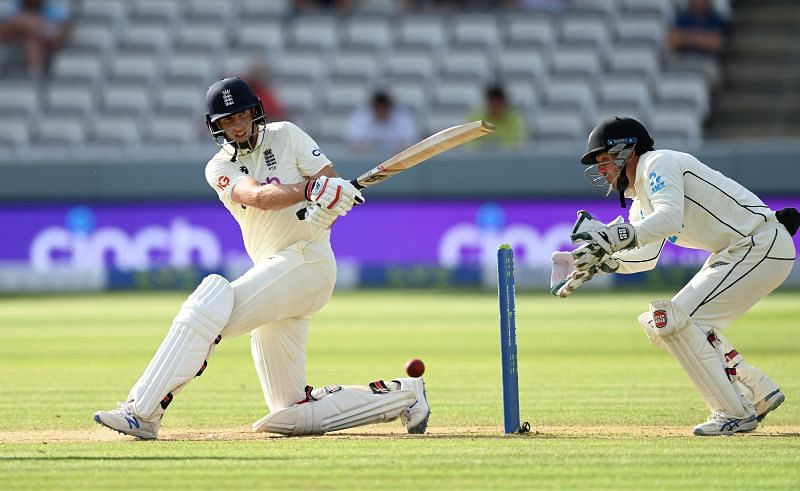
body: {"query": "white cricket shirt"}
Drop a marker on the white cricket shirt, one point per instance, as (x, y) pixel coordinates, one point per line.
(285, 155)
(678, 198)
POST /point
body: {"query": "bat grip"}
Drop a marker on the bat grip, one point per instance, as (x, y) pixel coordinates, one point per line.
(355, 184)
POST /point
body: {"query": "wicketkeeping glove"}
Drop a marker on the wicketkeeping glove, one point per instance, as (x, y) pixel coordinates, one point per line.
(335, 194)
(597, 245)
(576, 278)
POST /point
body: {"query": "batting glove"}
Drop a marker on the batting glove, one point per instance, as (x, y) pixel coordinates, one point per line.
(321, 217)
(335, 194)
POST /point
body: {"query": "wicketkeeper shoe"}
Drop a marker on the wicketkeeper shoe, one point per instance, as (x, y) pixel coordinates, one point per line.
(721, 424)
(769, 403)
(416, 416)
(124, 421)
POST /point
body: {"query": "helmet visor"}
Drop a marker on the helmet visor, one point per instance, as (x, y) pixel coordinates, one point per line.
(604, 174)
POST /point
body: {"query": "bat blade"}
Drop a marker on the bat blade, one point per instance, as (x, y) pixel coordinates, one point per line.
(419, 152)
(424, 150)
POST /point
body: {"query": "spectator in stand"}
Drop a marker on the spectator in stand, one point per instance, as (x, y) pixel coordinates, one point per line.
(509, 133)
(257, 77)
(698, 30)
(39, 27)
(380, 126)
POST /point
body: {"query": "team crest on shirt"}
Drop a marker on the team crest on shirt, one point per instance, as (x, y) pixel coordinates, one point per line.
(270, 160)
(244, 170)
(656, 183)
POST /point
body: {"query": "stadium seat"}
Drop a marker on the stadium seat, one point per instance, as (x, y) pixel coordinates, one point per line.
(116, 128)
(411, 64)
(134, 67)
(477, 29)
(441, 118)
(576, 62)
(331, 127)
(216, 10)
(14, 131)
(80, 67)
(466, 64)
(583, 31)
(661, 8)
(192, 66)
(516, 63)
(102, 11)
(207, 35)
(260, 34)
(182, 98)
(77, 98)
(682, 90)
(464, 94)
(146, 36)
(631, 93)
(273, 9)
(159, 10)
(538, 31)
(356, 64)
(642, 62)
(558, 127)
(298, 98)
(575, 95)
(412, 94)
(97, 38)
(676, 124)
(641, 29)
(168, 128)
(60, 130)
(372, 32)
(301, 63)
(124, 97)
(521, 93)
(318, 32)
(422, 29)
(606, 8)
(344, 97)
(22, 99)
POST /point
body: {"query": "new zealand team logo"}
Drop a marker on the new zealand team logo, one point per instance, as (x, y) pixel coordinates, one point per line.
(656, 183)
(660, 318)
(270, 160)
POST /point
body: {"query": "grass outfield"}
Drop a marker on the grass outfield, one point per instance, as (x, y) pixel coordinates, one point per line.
(608, 410)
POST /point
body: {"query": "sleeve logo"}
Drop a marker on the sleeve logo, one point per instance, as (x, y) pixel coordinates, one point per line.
(223, 182)
(316, 152)
(660, 318)
(656, 183)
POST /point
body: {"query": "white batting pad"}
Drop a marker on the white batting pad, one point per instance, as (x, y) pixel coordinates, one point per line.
(646, 321)
(688, 343)
(346, 408)
(189, 343)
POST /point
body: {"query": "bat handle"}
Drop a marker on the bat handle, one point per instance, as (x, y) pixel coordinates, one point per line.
(355, 184)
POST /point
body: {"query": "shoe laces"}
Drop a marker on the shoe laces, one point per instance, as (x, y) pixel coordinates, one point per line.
(126, 407)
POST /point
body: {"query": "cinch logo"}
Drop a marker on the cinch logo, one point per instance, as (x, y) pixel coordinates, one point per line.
(82, 245)
(476, 243)
(227, 98)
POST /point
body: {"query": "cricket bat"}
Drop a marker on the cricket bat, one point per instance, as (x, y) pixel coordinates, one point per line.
(420, 152)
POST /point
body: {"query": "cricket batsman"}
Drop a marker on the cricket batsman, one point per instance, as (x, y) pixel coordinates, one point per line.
(264, 173)
(677, 198)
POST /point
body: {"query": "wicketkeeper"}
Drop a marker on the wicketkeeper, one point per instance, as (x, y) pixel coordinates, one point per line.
(264, 174)
(677, 198)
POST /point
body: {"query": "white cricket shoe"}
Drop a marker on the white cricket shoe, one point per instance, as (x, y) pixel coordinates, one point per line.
(769, 403)
(124, 421)
(721, 424)
(416, 416)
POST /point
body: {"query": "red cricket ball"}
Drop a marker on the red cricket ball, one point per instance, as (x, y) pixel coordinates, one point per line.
(415, 367)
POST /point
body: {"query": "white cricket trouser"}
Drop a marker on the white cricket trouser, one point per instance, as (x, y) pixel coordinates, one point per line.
(275, 300)
(734, 279)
